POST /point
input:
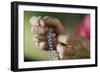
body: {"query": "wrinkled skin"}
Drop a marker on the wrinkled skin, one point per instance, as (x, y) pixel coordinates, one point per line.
(69, 47)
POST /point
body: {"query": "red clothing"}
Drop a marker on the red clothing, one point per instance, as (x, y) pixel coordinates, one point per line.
(83, 30)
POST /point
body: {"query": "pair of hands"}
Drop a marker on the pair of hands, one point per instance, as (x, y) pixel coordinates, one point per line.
(68, 47)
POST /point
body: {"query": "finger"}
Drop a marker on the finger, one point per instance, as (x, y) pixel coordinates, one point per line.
(34, 29)
(44, 37)
(40, 37)
(55, 24)
(41, 40)
(43, 30)
(54, 43)
(34, 20)
(37, 21)
(53, 35)
(61, 50)
(43, 45)
(62, 39)
(49, 21)
(65, 52)
(39, 30)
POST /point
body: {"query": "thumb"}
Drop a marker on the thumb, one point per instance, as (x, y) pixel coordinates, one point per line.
(61, 46)
(60, 49)
(62, 38)
(65, 51)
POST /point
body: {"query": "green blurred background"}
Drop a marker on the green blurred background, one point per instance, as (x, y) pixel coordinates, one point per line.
(31, 53)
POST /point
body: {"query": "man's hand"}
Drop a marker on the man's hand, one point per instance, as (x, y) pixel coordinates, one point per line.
(67, 47)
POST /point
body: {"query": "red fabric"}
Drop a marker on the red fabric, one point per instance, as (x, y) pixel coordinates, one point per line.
(83, 30)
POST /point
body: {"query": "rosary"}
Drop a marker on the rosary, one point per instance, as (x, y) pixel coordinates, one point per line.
(52, 54)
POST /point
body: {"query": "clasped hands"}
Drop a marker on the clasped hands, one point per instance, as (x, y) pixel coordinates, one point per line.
(69, 47)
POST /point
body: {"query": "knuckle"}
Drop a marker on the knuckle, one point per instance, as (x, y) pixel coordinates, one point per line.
(43, 45)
